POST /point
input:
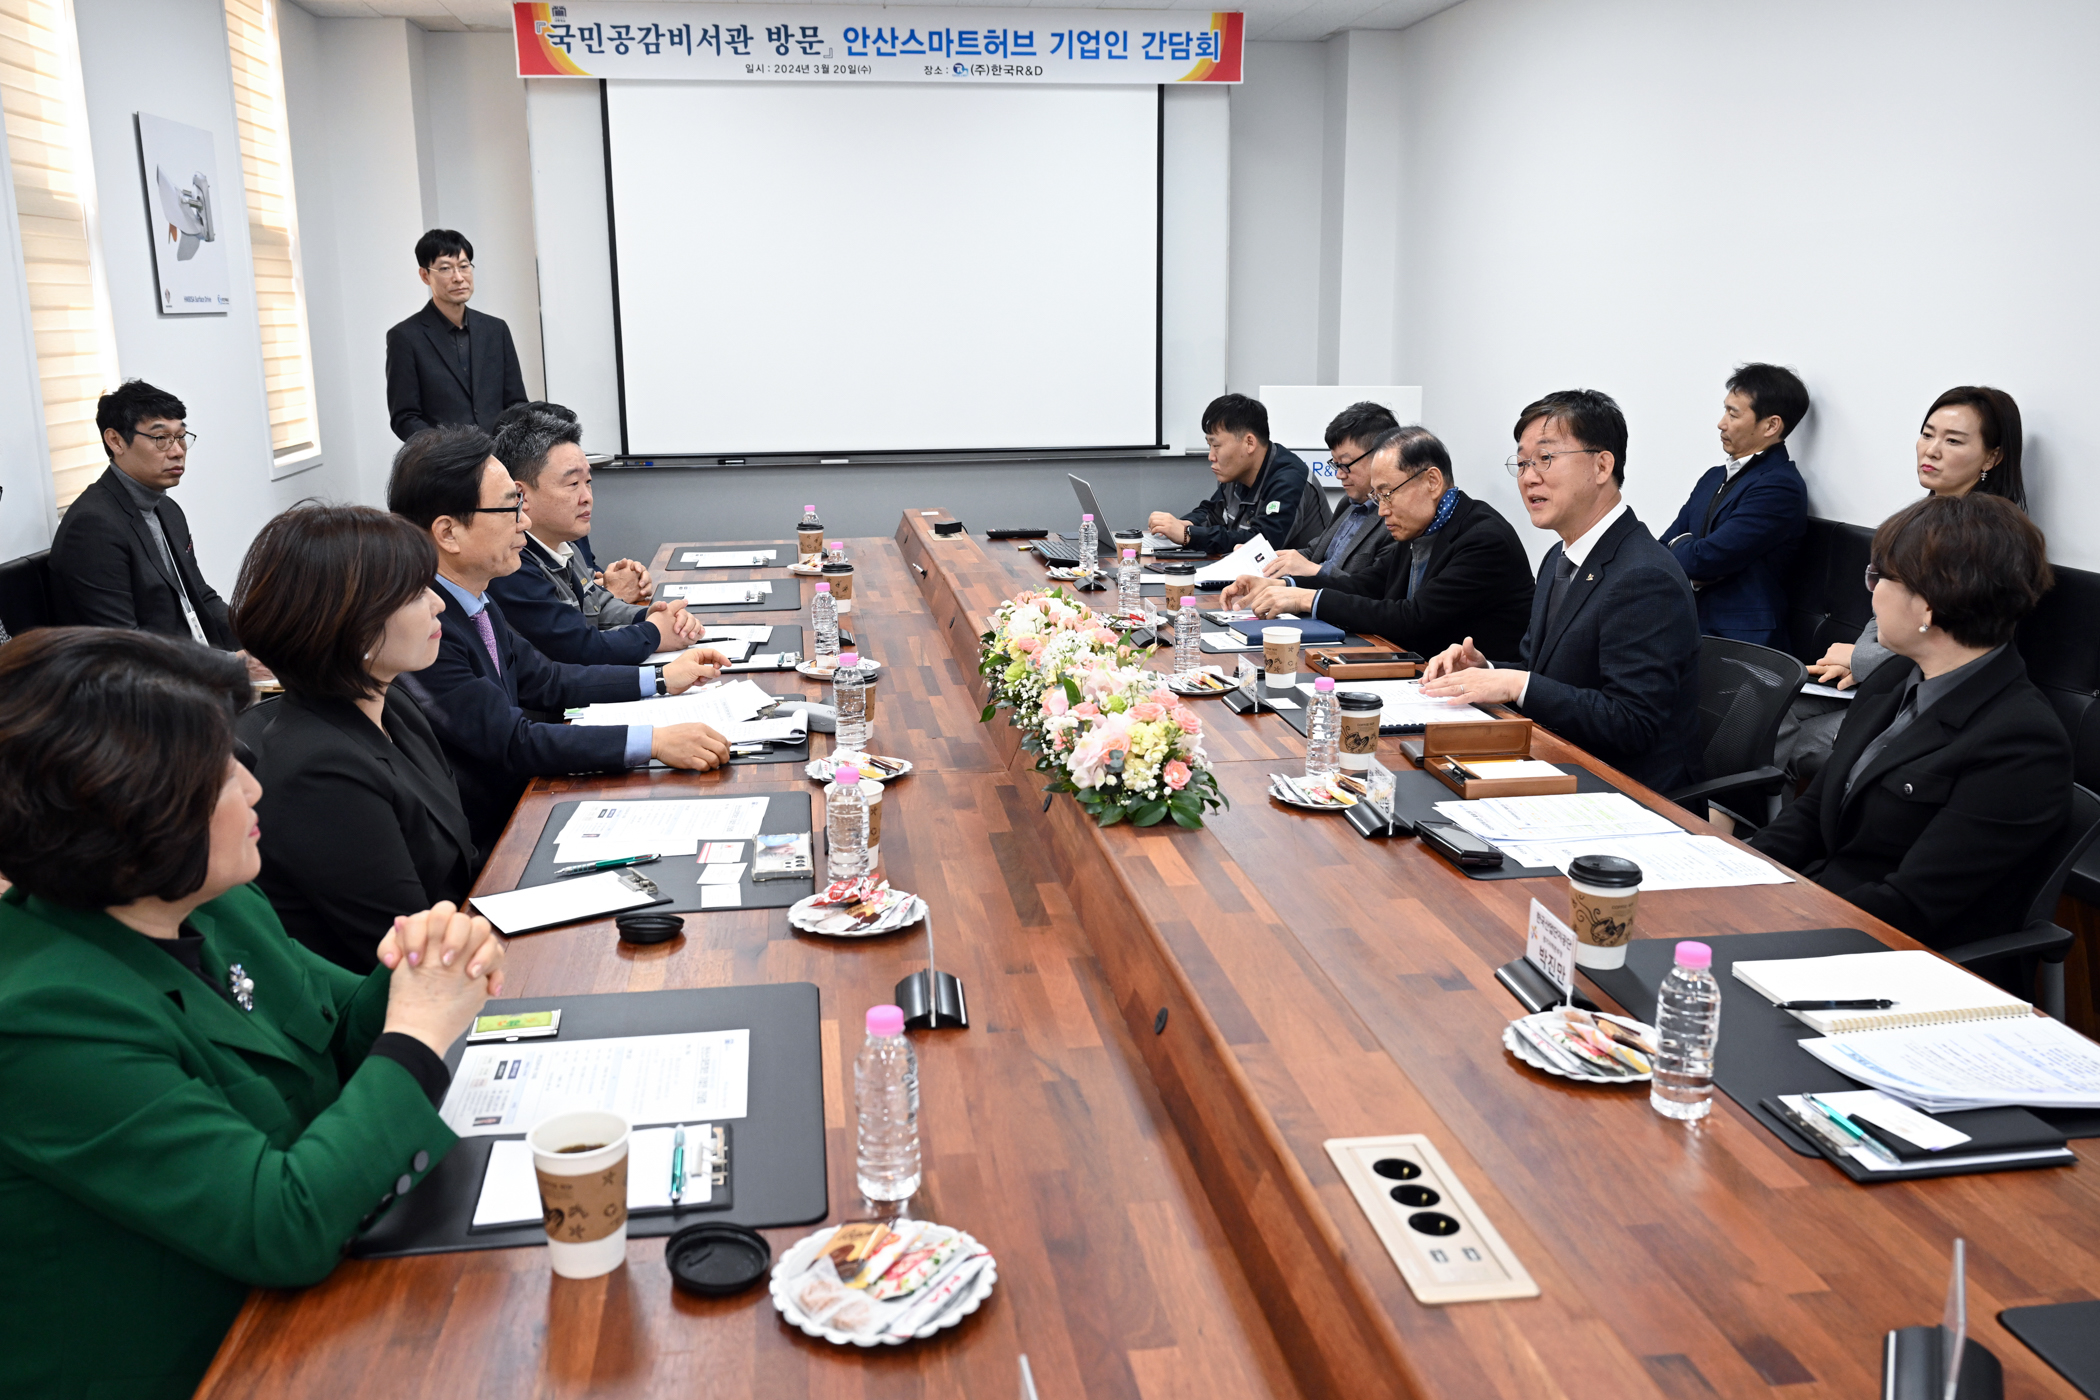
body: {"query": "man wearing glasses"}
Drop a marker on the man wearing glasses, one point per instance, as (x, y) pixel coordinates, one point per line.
(123, 555)
(1352, 542)
(447, 364)
(1610, 660)
(486, 678)
(1455, 568)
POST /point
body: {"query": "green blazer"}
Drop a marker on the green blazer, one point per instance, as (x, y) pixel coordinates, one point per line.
(163, 1151)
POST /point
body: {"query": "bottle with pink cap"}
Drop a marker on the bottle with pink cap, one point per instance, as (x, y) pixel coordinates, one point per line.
(1687, 1025)
(886, 1093)
(824, 623)
(809, 539)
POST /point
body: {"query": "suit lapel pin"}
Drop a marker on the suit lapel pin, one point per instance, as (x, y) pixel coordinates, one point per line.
(1589, 578)
(242, 986)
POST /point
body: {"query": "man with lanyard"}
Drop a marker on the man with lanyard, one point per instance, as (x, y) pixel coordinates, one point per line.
(1736, 536)
(1262, 488)
(1457, 568)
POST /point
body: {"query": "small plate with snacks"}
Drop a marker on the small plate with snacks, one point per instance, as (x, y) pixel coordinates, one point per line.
(870, 765)
(807, 570)
(867, 668)
(882, 1283)
(1334, 793)
(1211, 680)
(1598, 1048)
(859, 908)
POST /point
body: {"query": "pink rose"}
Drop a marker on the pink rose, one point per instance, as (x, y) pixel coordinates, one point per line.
(1176, 773)
(1163, 698)
(1146, 713)
(1087, 710)
(1055, 701)
(1186, 718)
(1024, 598)
(1104, 636)
(1028, 646)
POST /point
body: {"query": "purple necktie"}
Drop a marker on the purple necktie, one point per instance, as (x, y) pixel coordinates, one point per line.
(487, 629)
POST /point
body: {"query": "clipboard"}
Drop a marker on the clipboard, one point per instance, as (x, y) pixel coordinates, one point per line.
(570, 901)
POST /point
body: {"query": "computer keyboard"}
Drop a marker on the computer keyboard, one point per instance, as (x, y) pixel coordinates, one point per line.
(1060, 552)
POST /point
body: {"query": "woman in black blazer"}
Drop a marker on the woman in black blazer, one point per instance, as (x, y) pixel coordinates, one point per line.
(360, 815)
(1951, 769)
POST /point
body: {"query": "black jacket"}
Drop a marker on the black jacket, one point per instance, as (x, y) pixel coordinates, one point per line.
(1477, 584)
(479, 716)
(355, 829)
(1278, 492)
(588, 627)
(1938, 835)
(1618, 672)
(1365, 557)
(1742, 563)
(424, 387)
(107, 572)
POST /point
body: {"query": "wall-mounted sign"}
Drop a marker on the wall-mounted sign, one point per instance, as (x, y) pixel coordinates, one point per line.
(185, 204)
(788, 43)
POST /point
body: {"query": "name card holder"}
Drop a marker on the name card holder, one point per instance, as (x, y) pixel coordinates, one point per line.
(1445, 750)
(1350, 663)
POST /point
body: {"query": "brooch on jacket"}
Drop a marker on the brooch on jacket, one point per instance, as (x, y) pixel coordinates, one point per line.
(242, 986)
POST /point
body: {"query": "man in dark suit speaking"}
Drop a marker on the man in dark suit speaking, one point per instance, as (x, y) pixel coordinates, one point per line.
(122, 556)
(1611, 658)
(447, 364)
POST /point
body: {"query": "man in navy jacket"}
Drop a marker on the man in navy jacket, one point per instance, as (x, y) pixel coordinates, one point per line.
(1737, 535)
(485, 677)
(1610, 661)
(1262, 490)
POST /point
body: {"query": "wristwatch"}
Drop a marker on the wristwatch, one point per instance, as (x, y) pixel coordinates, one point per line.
(663, 687)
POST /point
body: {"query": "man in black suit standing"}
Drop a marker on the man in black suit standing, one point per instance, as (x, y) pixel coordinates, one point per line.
(123, 556)
(1611, 659)
(447, 364)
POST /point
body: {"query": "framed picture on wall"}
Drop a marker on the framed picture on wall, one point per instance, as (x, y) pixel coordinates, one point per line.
(186, 209)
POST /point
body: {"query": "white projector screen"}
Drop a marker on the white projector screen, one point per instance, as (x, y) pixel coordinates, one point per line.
(906, 268)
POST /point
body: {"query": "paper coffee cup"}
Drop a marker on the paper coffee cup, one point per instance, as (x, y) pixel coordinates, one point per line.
(581, 1161)
(1175, 593)
(1279, 657)
(1604, 893)
(1360, 711)
(841, 581)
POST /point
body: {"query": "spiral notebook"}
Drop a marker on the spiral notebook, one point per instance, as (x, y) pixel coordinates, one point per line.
(1927, 989)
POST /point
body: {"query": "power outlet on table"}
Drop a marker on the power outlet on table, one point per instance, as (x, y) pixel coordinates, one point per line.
(1446, 1249)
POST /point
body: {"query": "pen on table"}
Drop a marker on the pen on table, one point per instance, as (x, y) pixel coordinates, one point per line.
(565, 871)
(1855, 1004)
(749, 748)
(678, 1164)
(1850, 1129)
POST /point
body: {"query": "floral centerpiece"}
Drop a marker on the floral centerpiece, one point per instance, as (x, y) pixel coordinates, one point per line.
(1105, 729)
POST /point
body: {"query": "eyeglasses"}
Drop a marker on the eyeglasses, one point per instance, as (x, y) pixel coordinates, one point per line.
(165, 442)
(1340, 466)
(514, 508)
(446, 269)
(1875, 575)
(1379, 498)
(1545, 460)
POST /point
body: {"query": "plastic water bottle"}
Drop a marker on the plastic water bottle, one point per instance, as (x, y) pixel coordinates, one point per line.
(824, 622)
(809, 538)
(1089, 547)
(849, 697)
(845, 825)
(1687, 1023)
(1188, 650)
(886, 1093)
(1323, 731)
(1129, 603)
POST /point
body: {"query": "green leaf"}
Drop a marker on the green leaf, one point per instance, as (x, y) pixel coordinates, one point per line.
(1185, 819)
(1071, 690)
(989, 711)
(1148, 813)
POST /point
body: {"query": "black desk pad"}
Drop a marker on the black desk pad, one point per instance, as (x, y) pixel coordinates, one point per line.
(1759, 1055)
(784, 639)
(776, 1152)
(785, 597)
(679, 876)
(785, 552)
(1415, 795)
(2066, 1335)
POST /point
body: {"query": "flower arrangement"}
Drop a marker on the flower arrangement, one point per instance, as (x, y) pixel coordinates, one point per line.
(1105, 729)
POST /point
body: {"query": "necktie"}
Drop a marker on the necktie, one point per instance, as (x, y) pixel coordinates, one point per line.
(1563, 574)
(487, 629)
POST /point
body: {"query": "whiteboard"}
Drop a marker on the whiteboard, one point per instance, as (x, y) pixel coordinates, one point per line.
(1299, 415)
(884, 268)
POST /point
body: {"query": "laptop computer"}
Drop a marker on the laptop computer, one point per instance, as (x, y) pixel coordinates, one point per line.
(1066, 553)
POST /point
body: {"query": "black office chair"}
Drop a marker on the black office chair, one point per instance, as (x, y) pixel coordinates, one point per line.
(25, 593)
(1744, 692)
(2031, 960)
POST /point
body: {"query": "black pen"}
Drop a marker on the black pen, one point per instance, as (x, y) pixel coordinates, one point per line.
(1857, 1004)
(565, 871)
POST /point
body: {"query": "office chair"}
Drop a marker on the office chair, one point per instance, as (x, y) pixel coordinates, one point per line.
(25, 593)
(2040, 945)
(1744, 692)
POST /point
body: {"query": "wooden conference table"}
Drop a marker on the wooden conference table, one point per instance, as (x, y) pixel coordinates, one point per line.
(1166, 1220)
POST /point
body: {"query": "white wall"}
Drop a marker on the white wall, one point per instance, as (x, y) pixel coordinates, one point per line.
(567, 132)
(1273, 306)
(1196, 222)
(1892, 196)
(26, 514)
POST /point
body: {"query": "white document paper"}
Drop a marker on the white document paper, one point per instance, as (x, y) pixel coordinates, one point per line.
(1406, 706)
(1560, 817)
(1828, 692)
(787, 729)
(561, 901)
(667, 826)
(1510, 768)
(1680, 861)
(1221, 641)
(1250, 558)
(726, 558)
(723, 873)
(716, 703)
(686, 1078)
(2033, 1061)
(510, 1189)
(1918, 1129)
(728, 646)
(721, 897)
(757, 636)
(755, 590)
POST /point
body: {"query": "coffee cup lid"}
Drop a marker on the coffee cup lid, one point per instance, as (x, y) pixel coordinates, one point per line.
(649, 928)
(1611, 872)
(1358, 700)
(716, 1258)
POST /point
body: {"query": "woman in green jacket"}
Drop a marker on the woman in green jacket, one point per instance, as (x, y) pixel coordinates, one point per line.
(191, 1104)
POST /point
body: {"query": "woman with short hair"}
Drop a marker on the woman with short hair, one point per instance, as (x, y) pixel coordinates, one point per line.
(1951, 768)
(194, 1105)
(361, 817)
